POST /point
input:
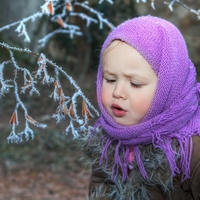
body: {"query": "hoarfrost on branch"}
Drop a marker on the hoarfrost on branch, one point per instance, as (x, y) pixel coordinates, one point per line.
(67, 105)
(170, 5)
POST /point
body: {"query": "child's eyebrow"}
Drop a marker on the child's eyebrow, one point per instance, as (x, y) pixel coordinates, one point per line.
(128, 75)
(135, 75)
(106, 71)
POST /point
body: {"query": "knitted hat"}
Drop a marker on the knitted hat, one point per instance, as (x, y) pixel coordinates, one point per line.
(174, 112)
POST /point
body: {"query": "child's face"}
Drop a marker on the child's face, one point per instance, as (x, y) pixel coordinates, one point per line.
(129, 84)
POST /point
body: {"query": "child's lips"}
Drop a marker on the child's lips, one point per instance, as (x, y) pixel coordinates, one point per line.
(118, 111)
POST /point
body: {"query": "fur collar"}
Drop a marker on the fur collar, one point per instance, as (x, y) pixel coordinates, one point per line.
(135, 187)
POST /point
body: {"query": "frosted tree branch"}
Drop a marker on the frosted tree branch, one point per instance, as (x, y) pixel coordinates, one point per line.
(52, 9)
(67, 105)
(171, 4)
(59, 12)
(98, 14)
(21, 25)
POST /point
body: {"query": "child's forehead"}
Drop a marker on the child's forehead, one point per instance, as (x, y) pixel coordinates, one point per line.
(121, 52)
(111, 46)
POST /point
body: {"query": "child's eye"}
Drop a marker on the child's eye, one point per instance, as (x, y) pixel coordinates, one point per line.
(135, 85)
(110, 80)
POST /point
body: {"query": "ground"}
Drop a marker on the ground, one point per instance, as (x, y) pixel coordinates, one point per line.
(22, 183)
(48, 167)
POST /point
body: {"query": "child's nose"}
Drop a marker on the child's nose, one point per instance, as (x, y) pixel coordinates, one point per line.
(119, 91)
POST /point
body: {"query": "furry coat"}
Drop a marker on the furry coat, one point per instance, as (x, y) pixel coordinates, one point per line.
(161, 185)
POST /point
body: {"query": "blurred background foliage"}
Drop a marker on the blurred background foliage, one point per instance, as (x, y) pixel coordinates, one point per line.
(51, 149)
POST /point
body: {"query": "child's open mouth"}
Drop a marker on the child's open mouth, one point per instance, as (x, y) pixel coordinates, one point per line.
(118, 111)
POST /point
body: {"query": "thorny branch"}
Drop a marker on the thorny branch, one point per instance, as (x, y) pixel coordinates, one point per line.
(67, 106)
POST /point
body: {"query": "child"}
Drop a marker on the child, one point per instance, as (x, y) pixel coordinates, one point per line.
(146, 143)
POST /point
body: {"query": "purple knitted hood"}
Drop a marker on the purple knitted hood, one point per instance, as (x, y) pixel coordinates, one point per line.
(174, 112)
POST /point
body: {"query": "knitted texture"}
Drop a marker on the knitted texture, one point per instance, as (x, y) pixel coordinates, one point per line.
(174, 112)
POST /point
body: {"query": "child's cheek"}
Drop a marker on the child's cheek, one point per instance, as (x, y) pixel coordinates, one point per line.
(103, 98)
(143, 105)
(105, 94)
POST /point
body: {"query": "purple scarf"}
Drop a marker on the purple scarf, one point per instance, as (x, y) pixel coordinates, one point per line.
(174, 112)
